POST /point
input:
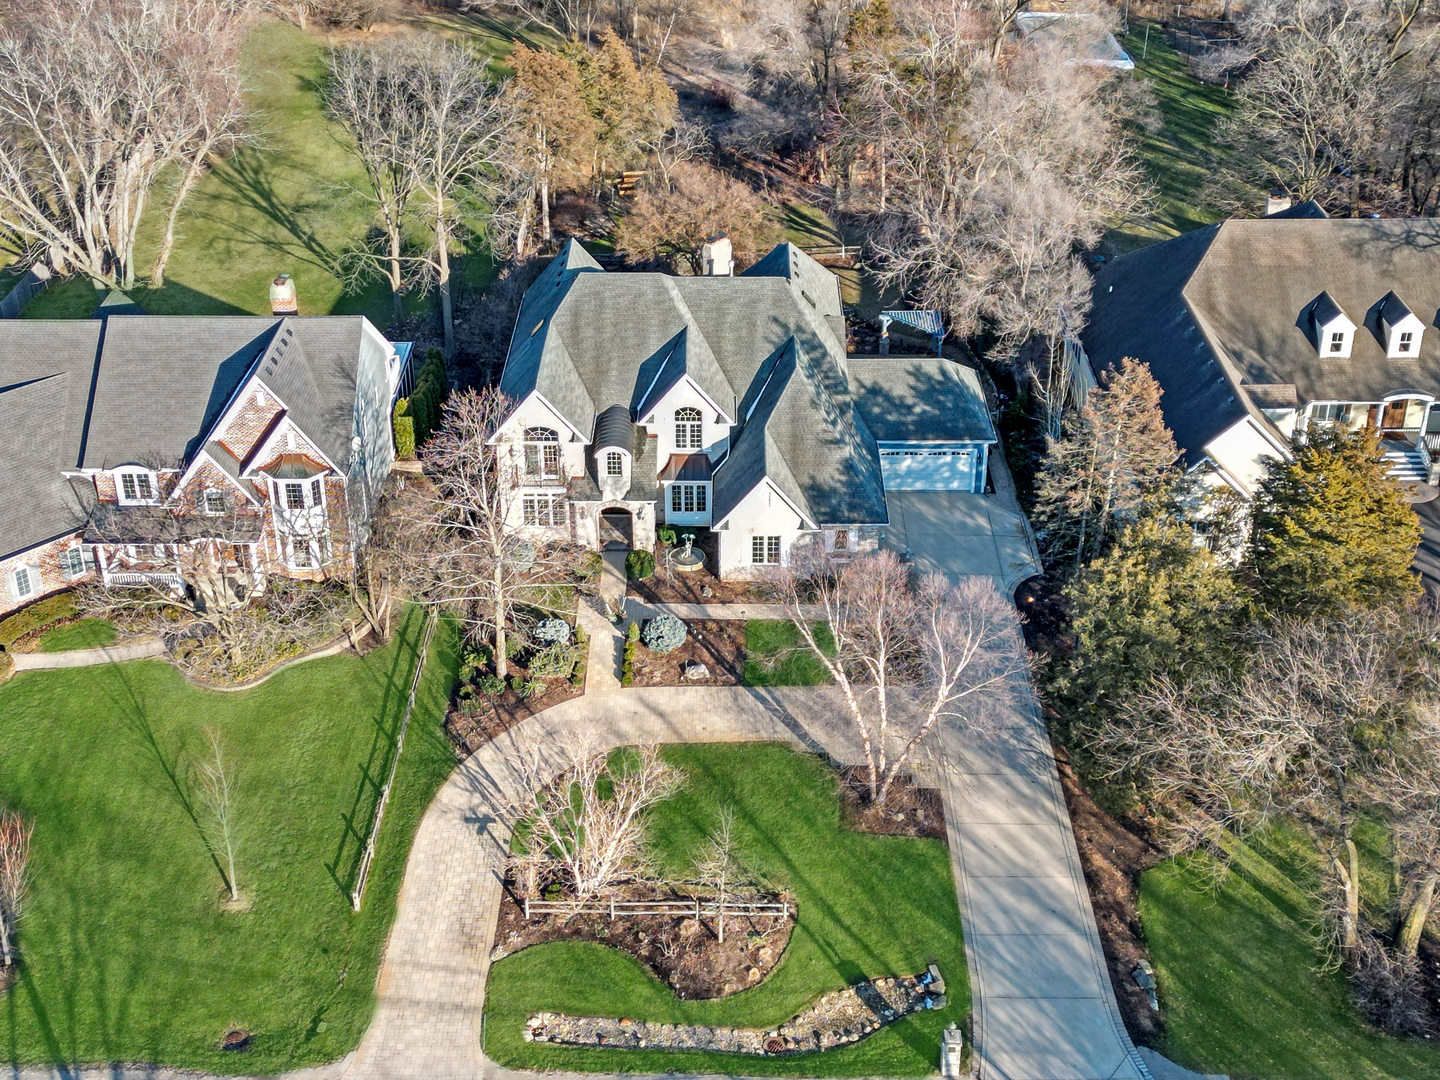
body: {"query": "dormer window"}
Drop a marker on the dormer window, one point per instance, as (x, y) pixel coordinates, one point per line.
(614, 464)
(1334, 333)
(542, 453)
(688, 429)
(1400, 327)
(135, 486)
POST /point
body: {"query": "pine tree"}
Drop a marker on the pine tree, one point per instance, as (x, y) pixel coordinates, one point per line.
(1331, 530)
(1114, 456)
(1156, 603)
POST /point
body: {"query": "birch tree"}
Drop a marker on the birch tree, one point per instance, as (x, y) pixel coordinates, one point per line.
(464, 545)
(902, 659)
(718, 867)
(1115, 455)
(15, 833)
(217, 796)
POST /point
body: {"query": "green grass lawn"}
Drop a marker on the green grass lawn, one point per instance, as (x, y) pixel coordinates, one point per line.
(127, 955)
(775, 655)
(1178, 157)
(868, 906)
(81, 634)
(1240, 972)
(292, 204)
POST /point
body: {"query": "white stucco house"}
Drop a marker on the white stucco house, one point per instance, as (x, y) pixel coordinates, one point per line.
(1261, 329)
(722, 403)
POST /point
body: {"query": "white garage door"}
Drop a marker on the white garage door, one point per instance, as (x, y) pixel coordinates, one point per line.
(928, 467)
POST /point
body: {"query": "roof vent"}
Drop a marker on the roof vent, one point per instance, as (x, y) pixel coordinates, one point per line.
(1401, 328)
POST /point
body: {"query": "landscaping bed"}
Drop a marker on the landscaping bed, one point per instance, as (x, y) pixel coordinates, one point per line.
(699, 586)
(908, 810)
(484, 707)
(473, 722)
(683, 952)
(717, 644)
(868, 907)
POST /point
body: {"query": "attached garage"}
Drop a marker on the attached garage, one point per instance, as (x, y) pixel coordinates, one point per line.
(915, 466)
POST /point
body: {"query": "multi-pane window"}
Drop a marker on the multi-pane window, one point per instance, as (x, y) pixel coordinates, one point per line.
(74, 562)
(614, 466)
(1337, 341)
(317, 492)
(543, 510)
(1332, 412)
(214, 501)
(294, 495)
(136, 487)
(689, 498)
(301, 555)
(688, 429)
(842, 540)
(542, 453)
(765, 550)
(1407, 340)
(23, 582)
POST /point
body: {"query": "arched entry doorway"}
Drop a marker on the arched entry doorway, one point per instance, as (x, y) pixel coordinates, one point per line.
(617, 529)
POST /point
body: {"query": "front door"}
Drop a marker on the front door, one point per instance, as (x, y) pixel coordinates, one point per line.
(1394, 415)
(615, 530)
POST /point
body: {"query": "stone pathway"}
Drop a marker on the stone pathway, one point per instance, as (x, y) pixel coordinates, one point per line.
(109, 654)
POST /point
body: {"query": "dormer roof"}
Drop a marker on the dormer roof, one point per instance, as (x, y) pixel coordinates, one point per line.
(1394, 311)
(1324, 312)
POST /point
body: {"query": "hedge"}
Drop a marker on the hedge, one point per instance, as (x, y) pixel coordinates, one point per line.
(404, 430)
(38, 615)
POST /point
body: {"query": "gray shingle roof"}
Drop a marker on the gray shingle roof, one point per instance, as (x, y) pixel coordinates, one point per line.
(588, 341)
(36, 503)
(1393, 309)
(920, 399)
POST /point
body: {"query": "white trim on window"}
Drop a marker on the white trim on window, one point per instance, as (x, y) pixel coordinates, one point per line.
(689, 429)
(541, 447)
(212, 501)
(614, 464)
(543, 510)
(688, 498)
(765, 550)
(136, 487)
(23, 582)
(76, 562)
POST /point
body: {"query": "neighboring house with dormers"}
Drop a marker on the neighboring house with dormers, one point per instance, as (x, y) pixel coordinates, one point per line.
(1261, 329)
(130, 438)
(725, 403)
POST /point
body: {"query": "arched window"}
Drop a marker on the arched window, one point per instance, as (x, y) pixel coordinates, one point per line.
(614, 465)
(542, 453)
(687, 429)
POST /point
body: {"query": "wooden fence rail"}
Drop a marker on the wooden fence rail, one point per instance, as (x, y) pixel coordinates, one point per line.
(694, 907)
(358, 895)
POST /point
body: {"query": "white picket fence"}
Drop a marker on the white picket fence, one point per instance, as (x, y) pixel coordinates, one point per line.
(683, 906)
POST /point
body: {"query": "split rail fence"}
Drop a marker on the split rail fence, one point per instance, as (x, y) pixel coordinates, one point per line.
(693, 907)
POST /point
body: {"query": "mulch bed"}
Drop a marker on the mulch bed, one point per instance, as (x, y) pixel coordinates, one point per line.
(1114, 853)
(909, 810)
(682, 951)
(718, 644)
(700, 586)
(473, 722)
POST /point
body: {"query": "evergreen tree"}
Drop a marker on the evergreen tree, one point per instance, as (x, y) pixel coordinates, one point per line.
(1158, 603)
(1331, 531)
(1115, 455)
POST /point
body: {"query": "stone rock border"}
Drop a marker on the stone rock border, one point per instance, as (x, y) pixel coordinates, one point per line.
(836, 1019)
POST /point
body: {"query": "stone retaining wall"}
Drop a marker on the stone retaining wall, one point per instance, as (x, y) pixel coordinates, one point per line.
(836, 1019)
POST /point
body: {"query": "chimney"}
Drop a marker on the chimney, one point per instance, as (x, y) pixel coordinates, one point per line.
(1277, 200)
(716, 255)
(885, 335)
(282, 296)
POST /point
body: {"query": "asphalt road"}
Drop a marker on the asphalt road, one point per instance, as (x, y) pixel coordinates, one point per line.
(1427, 559)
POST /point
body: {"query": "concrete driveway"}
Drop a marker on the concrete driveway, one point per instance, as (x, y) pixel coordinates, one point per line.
(960, 534)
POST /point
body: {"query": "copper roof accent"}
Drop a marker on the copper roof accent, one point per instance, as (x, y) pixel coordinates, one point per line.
(691, 467)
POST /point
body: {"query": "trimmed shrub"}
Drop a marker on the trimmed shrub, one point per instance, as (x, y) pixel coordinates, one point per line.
(551, 632)
(666, 535)
(582, 639)
(664, 633)
(577, 677)
(427, 400)
(37, 616)
(632, 632)
(627, 668)
(490, 684)
(640, 564)
(555, 662)
(404, 431)
(590, 566)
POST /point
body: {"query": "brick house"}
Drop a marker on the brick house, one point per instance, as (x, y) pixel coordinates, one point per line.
(134, 441)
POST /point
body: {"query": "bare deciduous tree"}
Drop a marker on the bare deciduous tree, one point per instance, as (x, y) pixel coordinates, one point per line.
(719, 869)
(15, 833)
(465, 546)
(586, 819)
(217, 793)
(672, 225)
(902, 658)
(98, 98)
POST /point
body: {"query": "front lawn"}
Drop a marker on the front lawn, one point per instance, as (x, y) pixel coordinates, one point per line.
(127, 955)
(868, 906)
(1241, 978)
(775, 655)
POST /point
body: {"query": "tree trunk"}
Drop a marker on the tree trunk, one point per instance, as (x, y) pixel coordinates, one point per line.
(1350, 882)
(1408, 941)
(397, 281)
(522, 235)
(545, 209)
(5, 948)
(442, 258)
(193, 172)
(502, 668)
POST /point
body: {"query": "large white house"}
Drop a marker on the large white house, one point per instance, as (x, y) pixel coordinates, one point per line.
(1259, 329)
(725, 403)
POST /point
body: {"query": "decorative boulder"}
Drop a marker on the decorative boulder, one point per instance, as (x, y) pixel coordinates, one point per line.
(696, 671)
(551, 632)
(664, 633)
